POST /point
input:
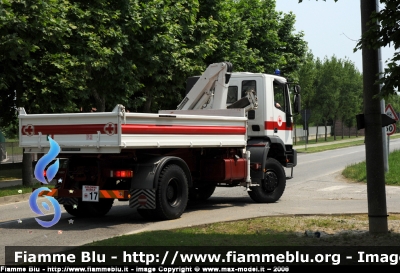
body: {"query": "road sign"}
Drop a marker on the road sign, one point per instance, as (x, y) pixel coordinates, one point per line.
(390, 112)
(391, 128)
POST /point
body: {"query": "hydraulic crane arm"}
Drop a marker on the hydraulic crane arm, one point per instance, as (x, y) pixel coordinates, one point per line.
(211, 88)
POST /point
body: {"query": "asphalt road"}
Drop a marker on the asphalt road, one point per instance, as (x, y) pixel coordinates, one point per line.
(317, 188)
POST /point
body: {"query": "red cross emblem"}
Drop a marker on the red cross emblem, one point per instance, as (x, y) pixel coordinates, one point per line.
(28, 130)
(109, 128)
(280, 121)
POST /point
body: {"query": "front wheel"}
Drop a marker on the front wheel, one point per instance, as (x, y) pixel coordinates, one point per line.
(172, 193)
(273, 186)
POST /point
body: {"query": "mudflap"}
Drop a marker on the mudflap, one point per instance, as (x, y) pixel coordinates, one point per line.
(142, 198)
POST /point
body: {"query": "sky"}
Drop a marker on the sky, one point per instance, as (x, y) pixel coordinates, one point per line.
(330, 28)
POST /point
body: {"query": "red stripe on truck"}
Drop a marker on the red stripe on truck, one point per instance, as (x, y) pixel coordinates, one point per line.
(181, 129)
(271, 125)
(111, 129)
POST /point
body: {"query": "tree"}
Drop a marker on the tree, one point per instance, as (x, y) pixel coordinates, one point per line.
(326, 99)
(383, 31)
(306, 76)
(272, 37)
(31, 34)
(350, 102)
(170, 44)
(97, 46)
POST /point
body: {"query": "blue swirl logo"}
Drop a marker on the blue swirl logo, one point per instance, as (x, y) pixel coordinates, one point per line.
(45, 176)
(57, 209)
(45, 160)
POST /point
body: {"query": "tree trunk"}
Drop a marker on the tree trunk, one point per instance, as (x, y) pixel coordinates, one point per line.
(316, 136)
(27, 171)
(149, 99)
(100, 101)
(342, 129)
(334, 129)
(326, 130)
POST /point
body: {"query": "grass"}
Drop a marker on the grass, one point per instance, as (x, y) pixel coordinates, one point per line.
(20, 189)
(332, 144)
(330, 147)
(263, 231)
(273, 231)
(356, 172)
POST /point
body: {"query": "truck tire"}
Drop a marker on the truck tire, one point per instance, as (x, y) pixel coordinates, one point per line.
(201, 193)
(79, 211)
(273, 186)
(97, 209)
(172, 193)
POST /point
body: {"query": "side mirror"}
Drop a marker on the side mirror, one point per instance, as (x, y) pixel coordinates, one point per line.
(297, 89)
(297, 103)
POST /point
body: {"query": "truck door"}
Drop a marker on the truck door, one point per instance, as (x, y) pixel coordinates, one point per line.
(282, 111)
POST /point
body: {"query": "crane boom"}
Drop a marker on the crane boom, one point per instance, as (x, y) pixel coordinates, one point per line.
(210, 89)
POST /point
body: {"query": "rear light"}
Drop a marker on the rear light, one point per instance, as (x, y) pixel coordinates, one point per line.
(121, 173)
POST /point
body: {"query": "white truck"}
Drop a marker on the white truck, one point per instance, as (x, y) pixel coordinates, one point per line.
(231, 129)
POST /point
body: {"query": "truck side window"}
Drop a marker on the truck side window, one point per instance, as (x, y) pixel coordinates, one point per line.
(232, 94)
(248, 85)
(279, 96)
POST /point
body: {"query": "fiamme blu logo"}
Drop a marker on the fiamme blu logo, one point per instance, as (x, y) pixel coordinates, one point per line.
(45, 176)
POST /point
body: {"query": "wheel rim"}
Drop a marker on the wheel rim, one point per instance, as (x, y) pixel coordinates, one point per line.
(270, 181)
(173, 193)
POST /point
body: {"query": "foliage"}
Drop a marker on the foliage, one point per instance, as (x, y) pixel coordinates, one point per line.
(331, 89)
(168, 48)
(384, 31)
(254, 36)
(73, 55)
(306, 75)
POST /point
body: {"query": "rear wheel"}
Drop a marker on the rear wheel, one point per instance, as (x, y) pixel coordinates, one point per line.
(100, 208)
(76, 209)
(90, 209)
(172, 193)
(273, 186)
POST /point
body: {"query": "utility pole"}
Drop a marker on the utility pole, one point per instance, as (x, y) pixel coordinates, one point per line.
(383, 107)
(377, 211)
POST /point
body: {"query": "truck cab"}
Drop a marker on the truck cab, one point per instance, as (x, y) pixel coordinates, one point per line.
(273, 114)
